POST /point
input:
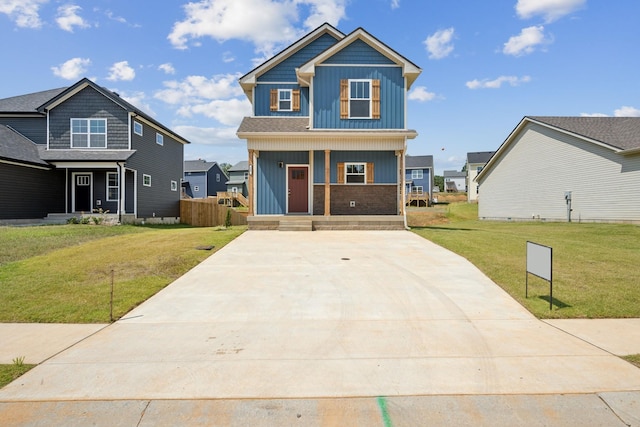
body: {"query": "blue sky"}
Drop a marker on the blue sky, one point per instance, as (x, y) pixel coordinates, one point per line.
(486, 64)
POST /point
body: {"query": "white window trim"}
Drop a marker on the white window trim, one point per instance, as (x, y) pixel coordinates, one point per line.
(159, 138)
(88, 134)
(144, 180)
(370, 82)
(174, 185)
(117, 186)
(290, 92)
(417, 174)
(417, 189)
(346, 174)
(137, 123)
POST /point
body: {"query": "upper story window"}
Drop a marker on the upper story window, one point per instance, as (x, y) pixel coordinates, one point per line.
(88, 133)
(360, 99)
(416, 174)
(137, 128)
(284, 100)
(159, 139)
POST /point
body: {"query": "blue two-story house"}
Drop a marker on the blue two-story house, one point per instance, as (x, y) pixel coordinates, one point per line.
(76, 150)
(328, 134)
(203, 179)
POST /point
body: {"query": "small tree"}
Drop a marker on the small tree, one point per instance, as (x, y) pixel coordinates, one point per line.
(227, 220)
(438, 181)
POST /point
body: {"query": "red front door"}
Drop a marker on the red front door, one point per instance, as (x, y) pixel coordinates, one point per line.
(298, 189)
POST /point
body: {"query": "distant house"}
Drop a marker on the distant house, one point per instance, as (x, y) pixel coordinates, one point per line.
(475, 163)
(419, 176)
(82, 148)
(328, 133)
(454, 181)
(203, 179)
(238, 178)
(561, 168)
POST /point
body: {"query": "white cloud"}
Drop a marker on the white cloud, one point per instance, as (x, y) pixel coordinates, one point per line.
(421, 94)
(593, 115)
(626, 111)
(439, 44)
(551, 10)
(265, 23)
(497, 83)
(219, 97)
(209, 136)
(72, 69)
(137, 98)
(23, 12)
(68, 18)
(526, 42)
(167, 68)
(121, 71)
(395, 4)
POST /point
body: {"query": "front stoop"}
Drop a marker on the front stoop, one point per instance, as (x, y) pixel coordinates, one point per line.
(319, 222)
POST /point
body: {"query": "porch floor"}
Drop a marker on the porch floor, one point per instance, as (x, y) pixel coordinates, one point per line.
(321, 222)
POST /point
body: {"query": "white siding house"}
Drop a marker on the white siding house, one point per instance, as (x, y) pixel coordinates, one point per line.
(475, 164)
(596, 159)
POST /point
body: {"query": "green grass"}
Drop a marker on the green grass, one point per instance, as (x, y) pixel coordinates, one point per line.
(633, 358)
(9, 373)
(68, 277)
(595, 266)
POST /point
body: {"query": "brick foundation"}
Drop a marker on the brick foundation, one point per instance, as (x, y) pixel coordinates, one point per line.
(369, 199)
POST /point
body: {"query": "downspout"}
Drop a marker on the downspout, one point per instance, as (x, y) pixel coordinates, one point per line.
(122, 185)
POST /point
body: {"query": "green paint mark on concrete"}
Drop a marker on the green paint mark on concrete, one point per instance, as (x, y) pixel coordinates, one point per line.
(382, 404)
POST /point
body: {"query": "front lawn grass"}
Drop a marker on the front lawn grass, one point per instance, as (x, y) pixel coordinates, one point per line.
(72, 283)
(8, 373)
(595, 266)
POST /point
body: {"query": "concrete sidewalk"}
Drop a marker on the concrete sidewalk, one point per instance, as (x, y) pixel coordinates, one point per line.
(277, 323)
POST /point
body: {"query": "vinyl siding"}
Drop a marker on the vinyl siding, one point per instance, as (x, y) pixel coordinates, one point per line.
(34, 128)
(261, 104)
(425, 182)
(88, 103)
(530, 178)
(358, 52)
(164, 163)
(272, 180)
(326, 97)
(385, 165)
(29, 193)
(197, 179)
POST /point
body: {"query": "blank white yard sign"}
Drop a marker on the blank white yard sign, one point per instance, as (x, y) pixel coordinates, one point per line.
(539, 260)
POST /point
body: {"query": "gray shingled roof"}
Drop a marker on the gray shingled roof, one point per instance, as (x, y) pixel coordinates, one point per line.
(240, 166)
(454, 174)
(479, 156)
(198, 165)
(28, 103)
(84, 155)
(414, 162)
(15, 147)
(619, 132)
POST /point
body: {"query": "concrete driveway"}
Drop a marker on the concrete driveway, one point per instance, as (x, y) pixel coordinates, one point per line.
(329, 315)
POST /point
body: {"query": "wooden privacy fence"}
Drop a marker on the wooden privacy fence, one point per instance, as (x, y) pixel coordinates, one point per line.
(208, 213)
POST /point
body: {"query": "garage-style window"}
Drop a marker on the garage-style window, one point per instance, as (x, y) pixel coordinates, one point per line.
(88, 133)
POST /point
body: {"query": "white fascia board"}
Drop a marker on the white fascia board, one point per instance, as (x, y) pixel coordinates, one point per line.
(85, 165)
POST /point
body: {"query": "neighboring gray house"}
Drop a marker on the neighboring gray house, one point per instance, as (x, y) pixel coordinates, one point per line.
(75, 150)
(419, 176)
(203, 179)
(475, 163)
(454, 181)
(556, 168)
(239, 178)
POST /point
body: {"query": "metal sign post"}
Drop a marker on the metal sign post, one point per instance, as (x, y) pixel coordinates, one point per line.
(539, 263)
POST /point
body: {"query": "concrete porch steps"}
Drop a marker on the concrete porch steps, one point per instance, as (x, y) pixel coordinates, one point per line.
(305, 224)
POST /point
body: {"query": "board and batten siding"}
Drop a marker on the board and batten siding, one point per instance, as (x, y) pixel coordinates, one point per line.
(531, 177)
